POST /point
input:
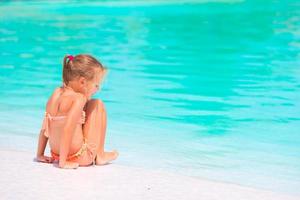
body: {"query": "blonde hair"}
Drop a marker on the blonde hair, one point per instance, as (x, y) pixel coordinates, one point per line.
(80, 65)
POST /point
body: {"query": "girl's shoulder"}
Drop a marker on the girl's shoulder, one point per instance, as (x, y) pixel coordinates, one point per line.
(66, 99)
(71, 96)
(58, 97)
(57, 91)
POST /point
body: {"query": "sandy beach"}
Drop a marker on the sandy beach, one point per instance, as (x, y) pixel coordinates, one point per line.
(24, 178)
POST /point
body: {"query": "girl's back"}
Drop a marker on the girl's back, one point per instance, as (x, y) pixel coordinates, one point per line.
(58, 107)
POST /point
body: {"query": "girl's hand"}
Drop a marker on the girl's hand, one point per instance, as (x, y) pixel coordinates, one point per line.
(45, 159)
(70, 165)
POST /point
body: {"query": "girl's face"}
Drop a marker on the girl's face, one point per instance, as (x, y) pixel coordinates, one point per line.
(91, 87)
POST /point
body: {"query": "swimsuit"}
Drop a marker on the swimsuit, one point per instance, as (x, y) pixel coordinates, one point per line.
(89, 147)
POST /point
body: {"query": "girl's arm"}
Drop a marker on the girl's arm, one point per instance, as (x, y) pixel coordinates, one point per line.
(42, 143)
(41, 148)
(42, 138)
(72, 119)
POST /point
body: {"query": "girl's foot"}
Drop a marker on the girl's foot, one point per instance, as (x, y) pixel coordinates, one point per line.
(106, 157)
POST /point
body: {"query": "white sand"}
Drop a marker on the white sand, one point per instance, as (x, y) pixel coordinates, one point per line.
(24, 178)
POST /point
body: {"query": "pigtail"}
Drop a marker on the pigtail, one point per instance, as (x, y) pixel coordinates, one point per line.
(66, 69)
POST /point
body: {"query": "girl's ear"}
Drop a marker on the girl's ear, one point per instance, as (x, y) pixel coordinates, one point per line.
(82, 81)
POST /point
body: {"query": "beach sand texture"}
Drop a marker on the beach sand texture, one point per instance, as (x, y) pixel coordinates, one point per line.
(24, 178)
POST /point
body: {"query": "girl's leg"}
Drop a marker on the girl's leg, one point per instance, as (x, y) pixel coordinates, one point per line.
(94, 130)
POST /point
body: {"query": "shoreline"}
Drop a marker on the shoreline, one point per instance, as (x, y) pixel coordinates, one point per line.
(24, 178)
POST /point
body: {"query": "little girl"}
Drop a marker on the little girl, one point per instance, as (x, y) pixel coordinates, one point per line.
(74, 123)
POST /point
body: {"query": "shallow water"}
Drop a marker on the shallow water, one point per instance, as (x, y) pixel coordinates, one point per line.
(204, 89)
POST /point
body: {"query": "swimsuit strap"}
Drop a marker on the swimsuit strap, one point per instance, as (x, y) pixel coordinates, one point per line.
(90, 148)
(48, 117)
(45, 125)
(83, 117)
(86, 146)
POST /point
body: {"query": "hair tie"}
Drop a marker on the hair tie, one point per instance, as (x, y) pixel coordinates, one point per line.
(70, 57)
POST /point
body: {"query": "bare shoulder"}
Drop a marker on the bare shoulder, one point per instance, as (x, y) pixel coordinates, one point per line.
(57, 91)
(52, 99)
(79, 98)
(64, 101)
(74, 100)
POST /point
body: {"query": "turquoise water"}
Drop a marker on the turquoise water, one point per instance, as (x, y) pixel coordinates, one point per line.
(209, 90)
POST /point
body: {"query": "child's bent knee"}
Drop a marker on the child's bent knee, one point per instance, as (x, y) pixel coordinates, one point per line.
(99, 104)
(96, 104)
